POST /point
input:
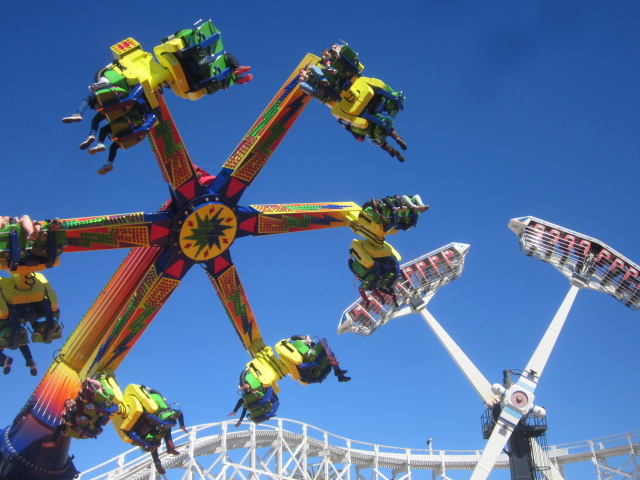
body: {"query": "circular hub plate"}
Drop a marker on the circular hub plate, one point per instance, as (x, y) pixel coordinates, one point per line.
(519, 399)
(208, 231)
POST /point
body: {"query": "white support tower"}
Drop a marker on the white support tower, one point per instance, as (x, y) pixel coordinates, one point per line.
(585, 261)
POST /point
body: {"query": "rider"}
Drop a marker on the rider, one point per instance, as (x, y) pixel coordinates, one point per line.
(260, 402)
(314, 82)
(310, 353)
(378, 136)
(29, 227)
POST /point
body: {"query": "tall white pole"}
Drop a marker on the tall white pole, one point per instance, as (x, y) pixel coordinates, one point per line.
(466, 366)
(538, 360)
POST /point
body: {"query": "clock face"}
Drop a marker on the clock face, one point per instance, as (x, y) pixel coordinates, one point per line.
(519, 399)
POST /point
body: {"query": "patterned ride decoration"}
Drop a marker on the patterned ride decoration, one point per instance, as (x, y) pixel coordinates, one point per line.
(208, 231)
(202, 209)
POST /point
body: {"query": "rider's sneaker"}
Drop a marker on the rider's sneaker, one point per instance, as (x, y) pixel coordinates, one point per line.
(76, 117)
(32, 368)
(106, 168)
(342, 378)
(245, 79)
(94, 87)
(400, 142)
(90, 139)
(98, 148)
(241, 69)
(399, 156)
(7, 365)
(159, 468)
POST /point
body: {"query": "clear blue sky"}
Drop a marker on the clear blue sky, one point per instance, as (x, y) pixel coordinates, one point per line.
(512, 109)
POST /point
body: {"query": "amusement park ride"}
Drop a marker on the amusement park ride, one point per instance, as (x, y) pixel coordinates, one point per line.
(198, 225)
(511, 415)
(78, 394)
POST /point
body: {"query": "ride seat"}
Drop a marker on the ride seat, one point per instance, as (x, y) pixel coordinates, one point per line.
(137, 402)
(114, 102)
(84, 428)
(387, 101)
(203, 59)
(263, 372)
(356, 99)
(116, 79)
(103, 400)
(262, 409)
(148, 441)
(43, 332)
(317, 370)
(367, 276)
(10, 340)
(347, 64)
(12, 246)
(131, 129)
(46, 251)
(290, 357)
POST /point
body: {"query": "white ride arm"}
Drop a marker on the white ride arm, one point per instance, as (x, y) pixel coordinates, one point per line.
(469, 370)
(539, 358)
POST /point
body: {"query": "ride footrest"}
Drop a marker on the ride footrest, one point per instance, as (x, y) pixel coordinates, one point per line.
(116, 102)
(103, 406)
(135, 134)
(219, 78)
(386, 126)
(11, 340)
(316, 371)
(263, 409)
(153, 420)
(143, 444)
(397, 99)
(45, 332)
(83, 429)
(46, 250)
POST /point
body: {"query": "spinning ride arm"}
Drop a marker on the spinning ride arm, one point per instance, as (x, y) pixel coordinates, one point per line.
(257, 146)
(98, 341)
(193, 227)
(224, 277)
(172, 156)
(116, 231)
(258, 220)
(102, 339)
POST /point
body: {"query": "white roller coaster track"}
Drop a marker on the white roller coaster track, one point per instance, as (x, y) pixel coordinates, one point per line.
(286, 449)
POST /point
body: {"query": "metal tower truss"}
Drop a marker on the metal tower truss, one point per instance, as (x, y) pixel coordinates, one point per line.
(287, 449)
(615, 457)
